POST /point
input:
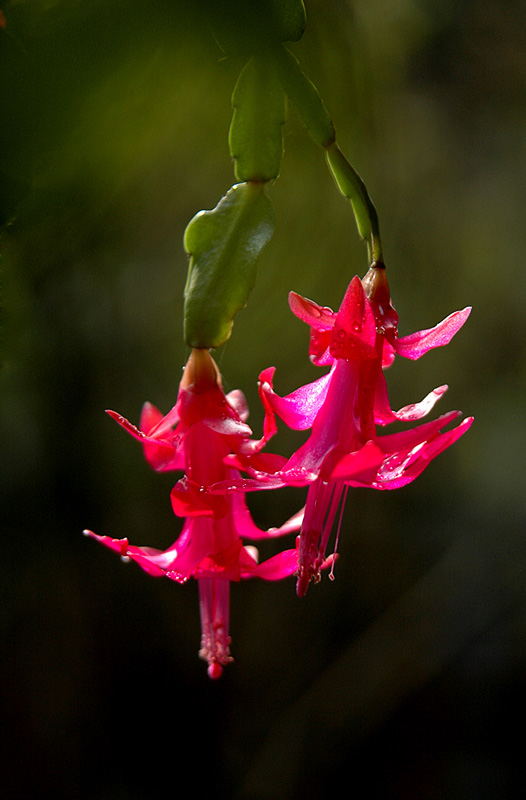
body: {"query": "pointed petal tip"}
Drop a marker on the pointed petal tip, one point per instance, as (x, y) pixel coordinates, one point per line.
(318, 317)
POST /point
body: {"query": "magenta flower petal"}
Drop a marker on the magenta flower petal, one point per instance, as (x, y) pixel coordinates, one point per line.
(146, 557)
(161, 453)
(383, 414)
(320, 347)
(277, 567)
(321, 320)
(388, 355)
(291, 525)
(317, 317)
(153, 423)
(247, 529)
(151, 417)
(238, 401)
(228, 426)
(417, 344)
(421, 433)
(299, 409)
(354, 331)
(415, 411)
(360, 466)
(403, 467)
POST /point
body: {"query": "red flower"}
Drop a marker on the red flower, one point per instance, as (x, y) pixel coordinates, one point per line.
(202, 429)
(343, 409)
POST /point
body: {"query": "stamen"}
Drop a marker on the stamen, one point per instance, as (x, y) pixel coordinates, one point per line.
(336, 493)
(336, 542)
(214, 606)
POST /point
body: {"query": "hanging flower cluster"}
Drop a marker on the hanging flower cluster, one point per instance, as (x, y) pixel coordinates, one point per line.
(205, 435)
(344, 407)
(203, 428)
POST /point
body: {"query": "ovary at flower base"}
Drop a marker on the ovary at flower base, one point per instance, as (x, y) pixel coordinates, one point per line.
(344, 407)
(201, 430)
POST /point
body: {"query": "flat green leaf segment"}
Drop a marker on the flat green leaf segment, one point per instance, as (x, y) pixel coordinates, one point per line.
(224, 245)
(256, 132)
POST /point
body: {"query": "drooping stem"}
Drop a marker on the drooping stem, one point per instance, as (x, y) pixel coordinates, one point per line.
(317, 120)
(352, 186)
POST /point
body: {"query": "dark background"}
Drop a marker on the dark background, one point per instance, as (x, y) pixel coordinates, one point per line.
(405, 676)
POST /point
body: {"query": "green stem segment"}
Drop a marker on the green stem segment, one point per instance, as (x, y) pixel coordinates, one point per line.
(312, 112)
(352, 186)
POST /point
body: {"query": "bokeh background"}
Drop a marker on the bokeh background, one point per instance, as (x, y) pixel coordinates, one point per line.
(404, 677)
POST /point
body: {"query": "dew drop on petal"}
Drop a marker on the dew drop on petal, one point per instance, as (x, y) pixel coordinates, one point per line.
(252, 551)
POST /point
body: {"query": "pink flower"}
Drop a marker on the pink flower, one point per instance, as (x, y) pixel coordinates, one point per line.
(197, 435)
(343, 409)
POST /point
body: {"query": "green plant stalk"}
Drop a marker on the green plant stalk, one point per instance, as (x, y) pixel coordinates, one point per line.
(312, 112)
(353, 188)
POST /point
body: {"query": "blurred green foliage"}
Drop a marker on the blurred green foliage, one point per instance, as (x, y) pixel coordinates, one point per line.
(402, 674)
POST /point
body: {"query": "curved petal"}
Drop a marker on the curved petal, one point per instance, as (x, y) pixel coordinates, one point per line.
(403, 467)
(246, 528)
(238, 401)
(319, 317)
(279, 566)
(267, 463)
(422, 433)
(291, 525)
(153, 561)
(161, 454)
(361, 466)
(418, 410)
(227, 426)
(383, 414)
(417, 344)
(191, 500)
(319, 347)
(253, 484)
(153, 423)
(150, 417)
(388, 354)
(298, 410)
